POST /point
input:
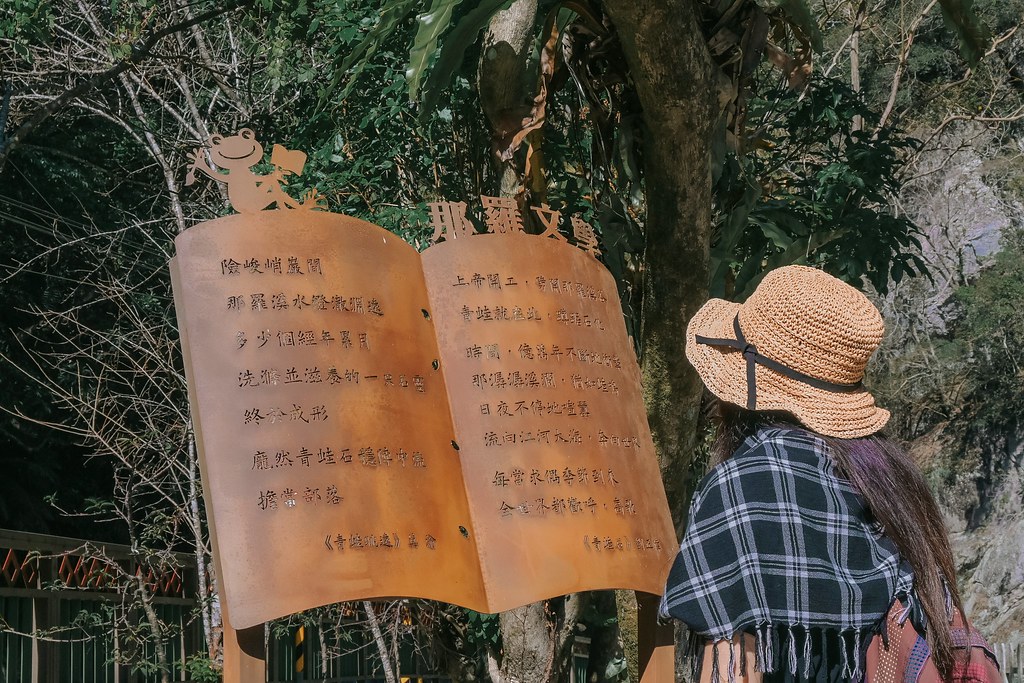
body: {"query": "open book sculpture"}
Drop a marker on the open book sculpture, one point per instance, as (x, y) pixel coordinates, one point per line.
(464, 425)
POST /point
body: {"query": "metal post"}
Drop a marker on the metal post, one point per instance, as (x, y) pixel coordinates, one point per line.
(655, 642)
(46, 614)
(300, 653)
(245, 654)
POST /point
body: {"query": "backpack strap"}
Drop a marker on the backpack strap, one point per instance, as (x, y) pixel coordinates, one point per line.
(916, 659)
(964, 638)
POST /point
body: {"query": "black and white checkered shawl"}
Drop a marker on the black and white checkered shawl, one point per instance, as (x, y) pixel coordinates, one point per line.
(778, 543)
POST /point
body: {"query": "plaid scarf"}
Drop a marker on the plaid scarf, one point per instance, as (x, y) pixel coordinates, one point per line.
(779, 545)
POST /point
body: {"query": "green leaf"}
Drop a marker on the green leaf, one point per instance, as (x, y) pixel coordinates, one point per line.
(787, 215)
(453, 52)
(796, 253)
(730, 234)
(974, 36)
(719, 147)
(896, 272)
(776, 234)
(432, 24)
(736, 223)
(614, 667)
(391, 15)
(748, 270)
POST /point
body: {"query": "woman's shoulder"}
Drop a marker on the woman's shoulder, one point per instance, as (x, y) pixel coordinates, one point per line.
(779, 445)
(765, 456)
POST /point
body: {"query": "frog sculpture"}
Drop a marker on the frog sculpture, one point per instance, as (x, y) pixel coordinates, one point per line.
(248, 191)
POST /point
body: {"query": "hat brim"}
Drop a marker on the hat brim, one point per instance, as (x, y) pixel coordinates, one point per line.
(846, 415)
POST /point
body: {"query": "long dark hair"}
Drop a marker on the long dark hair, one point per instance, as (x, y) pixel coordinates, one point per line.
(896, 495)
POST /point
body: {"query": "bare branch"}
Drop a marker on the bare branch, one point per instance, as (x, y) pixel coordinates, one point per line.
(901, 65)
(139, 53)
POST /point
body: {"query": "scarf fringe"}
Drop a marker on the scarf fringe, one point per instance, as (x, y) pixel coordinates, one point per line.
(765, 660)
(807, 653)
(856, 656)
(732, 663)
(791, 637)
(799, 650)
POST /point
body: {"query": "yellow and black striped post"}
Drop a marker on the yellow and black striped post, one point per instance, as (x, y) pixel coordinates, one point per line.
(300, 652)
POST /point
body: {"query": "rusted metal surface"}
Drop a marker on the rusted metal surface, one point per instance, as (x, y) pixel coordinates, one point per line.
(233, 158)
(275, 521)
(372, 424)
(557, 457)
(245, 655)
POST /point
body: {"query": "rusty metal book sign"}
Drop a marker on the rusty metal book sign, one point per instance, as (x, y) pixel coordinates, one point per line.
(464, 426)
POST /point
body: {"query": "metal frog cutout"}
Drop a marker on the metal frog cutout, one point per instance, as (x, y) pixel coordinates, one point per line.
(247, 191)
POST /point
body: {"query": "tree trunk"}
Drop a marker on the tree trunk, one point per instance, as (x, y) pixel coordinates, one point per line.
(210, 623)
(526, 644)
(155, 627)
(505, 95)
(378, 639)
(672, 72)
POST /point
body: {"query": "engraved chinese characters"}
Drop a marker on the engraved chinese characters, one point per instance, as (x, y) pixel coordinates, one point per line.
(325, 435)
(464, 426)
(544, 390)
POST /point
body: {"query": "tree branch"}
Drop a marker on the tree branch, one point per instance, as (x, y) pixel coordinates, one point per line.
(5, 108)
(140, 52)
(897, 77)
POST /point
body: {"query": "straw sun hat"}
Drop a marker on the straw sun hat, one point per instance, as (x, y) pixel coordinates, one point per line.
(799, 344)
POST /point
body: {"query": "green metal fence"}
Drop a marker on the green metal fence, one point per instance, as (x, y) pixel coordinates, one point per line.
(62, 617)
(357, 661)
(16, 662)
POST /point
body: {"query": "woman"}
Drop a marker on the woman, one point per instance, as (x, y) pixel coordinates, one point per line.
(811, 525)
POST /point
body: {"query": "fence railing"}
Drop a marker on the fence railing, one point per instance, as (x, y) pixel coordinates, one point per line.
(357, 661)
(62, 616)
(360, 663)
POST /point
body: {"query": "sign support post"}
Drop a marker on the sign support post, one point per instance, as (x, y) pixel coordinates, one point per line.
(245, 654)
(655, 642)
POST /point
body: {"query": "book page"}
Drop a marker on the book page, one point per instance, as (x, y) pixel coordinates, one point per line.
(544, 388)
(321, 416)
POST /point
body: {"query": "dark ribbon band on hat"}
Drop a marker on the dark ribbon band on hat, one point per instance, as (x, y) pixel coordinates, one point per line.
(754, 358)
